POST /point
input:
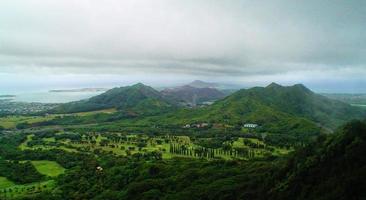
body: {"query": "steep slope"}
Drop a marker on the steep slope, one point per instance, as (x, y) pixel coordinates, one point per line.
(332, 168)
(193, 95)
(136, 99)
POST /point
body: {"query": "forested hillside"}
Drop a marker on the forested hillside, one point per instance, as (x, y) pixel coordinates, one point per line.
(333, 168)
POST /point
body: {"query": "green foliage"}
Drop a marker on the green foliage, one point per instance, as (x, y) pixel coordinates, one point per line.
(19, 172)
(23, 125)
(4, 183)
(335, 164)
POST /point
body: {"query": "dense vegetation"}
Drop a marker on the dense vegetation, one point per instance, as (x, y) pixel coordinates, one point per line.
(19, 172)
(333, 163)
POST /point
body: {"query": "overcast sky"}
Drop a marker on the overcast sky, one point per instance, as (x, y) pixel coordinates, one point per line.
(87, 43)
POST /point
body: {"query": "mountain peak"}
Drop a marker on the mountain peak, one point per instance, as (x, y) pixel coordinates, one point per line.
(197, 81)
(274, 85)
(296, 86)
(139, 85)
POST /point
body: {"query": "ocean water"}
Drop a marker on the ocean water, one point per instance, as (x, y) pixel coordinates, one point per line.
(53, 97)
(359, 105)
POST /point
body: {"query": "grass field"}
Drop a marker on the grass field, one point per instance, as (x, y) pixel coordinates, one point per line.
(48, 168)
(5, 183)
(11, 121)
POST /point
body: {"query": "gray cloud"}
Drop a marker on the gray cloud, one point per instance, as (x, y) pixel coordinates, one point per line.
(226, 40)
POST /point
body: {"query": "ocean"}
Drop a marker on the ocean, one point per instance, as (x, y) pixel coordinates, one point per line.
(52, 97)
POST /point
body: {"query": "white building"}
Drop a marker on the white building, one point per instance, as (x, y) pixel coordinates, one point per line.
(187, 126)
(250, 125)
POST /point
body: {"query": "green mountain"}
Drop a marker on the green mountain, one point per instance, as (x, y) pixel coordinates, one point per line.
(300, 101)
(137, 99)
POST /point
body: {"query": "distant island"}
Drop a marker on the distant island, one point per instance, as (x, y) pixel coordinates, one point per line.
(82, 90)
(7, 96)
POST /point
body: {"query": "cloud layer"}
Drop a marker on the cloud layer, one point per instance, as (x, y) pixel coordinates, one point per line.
(233, 41)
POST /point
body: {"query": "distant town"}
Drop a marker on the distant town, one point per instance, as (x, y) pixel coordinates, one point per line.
(82, 90)
(22, 108)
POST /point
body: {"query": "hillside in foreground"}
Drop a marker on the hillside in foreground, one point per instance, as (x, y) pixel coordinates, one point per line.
(334, 163)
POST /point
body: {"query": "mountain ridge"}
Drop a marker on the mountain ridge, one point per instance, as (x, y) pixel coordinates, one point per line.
(290, 110)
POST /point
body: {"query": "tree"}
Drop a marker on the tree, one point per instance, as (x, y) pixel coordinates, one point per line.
(141, 144)
(23, 125)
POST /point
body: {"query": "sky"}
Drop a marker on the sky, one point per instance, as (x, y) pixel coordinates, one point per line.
(92, 43)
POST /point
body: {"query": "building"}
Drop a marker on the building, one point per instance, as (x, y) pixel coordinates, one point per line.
(187, 126)
(250, 125)
(99, 169)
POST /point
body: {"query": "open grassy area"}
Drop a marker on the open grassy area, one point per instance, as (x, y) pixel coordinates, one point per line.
(106, 111)
(48, 168)
(5, 183)
(10, 122)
